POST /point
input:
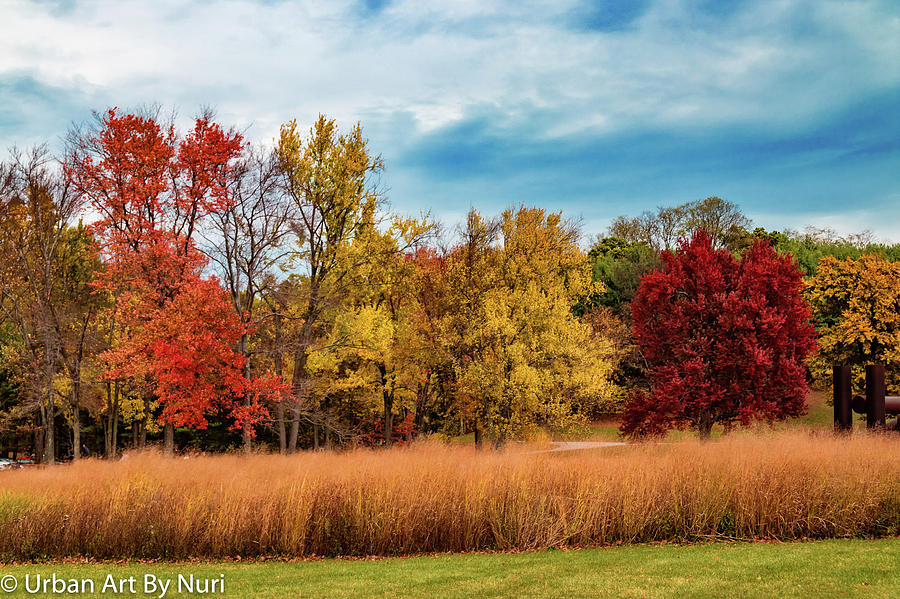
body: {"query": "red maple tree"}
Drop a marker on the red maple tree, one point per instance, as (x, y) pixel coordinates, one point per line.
(725, 339)
(151, 189)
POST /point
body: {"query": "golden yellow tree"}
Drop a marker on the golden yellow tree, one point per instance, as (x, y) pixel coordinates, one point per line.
(856, 306)
(526, 359)
(372, 352)
(328, 178)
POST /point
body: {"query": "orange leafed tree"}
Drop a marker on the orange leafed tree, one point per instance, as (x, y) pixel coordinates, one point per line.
(152, 189)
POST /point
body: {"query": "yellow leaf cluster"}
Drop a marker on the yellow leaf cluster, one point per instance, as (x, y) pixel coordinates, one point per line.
(856, 305)
(529, 360)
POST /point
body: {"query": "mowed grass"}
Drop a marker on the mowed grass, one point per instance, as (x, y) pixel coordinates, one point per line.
(819, 417)
(436, 498)
(835, 568)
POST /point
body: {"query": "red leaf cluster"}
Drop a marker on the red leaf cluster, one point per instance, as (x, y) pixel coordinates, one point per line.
(152, 190)
(725, 339)
(401, 433)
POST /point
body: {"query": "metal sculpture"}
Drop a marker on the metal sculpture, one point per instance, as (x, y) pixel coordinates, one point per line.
(875, 405)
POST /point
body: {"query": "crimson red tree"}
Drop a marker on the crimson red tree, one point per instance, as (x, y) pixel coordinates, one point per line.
(725, 339)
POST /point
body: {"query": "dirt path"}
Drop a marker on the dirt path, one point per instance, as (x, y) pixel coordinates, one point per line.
(577, 445)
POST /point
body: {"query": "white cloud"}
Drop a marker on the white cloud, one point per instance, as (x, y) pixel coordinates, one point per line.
(851, 220)
(417, 67)
(270, 62)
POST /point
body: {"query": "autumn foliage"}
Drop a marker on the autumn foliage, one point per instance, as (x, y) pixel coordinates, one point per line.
(152, 189)
(855, 303)
(725, 339)
(169, 277)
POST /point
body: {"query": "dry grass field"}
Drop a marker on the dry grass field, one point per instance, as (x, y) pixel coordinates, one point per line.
(436, 498)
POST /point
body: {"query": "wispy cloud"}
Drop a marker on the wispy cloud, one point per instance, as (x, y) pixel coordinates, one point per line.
(788, 108)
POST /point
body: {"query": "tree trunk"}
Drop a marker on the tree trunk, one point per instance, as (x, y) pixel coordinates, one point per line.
(419, 419)
(282, 431)
(421, 399)
(115, 440)
(295, 429)
(144, 421)
(76, 411)
(76, 432)
(298, 384)
(38, 453)
(388, 398)
(279, 370)
(49, 455)
(48, 416)
(299, 375)
(315, 437)
(169, 439)
(112, 420)
(478, 439)
(245, 432)
(704, 427)
(48, 405)
(75, 378)
(107, 432)
(388, 422)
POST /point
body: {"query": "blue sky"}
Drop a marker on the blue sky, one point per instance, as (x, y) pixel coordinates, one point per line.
(789, 109)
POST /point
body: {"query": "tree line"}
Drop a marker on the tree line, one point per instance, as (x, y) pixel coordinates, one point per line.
(733, 324)
(188, 287)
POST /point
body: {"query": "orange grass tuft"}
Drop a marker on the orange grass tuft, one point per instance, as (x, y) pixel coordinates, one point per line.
(433, 498)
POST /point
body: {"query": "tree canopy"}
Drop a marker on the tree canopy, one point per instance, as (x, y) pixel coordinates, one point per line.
(726, 339)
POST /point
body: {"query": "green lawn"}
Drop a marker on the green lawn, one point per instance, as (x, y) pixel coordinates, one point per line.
(606, 430)
(819, 416)
(837, 568)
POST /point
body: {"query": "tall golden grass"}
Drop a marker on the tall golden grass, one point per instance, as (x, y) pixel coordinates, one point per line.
(429, 498)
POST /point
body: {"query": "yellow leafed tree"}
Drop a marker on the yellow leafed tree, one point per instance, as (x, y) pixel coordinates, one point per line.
(526, 359)
(856, 305)
(371, 356)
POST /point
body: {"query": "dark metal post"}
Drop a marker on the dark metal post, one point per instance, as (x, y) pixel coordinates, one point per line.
(892, 404)
(843, 420)
(875, 392)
